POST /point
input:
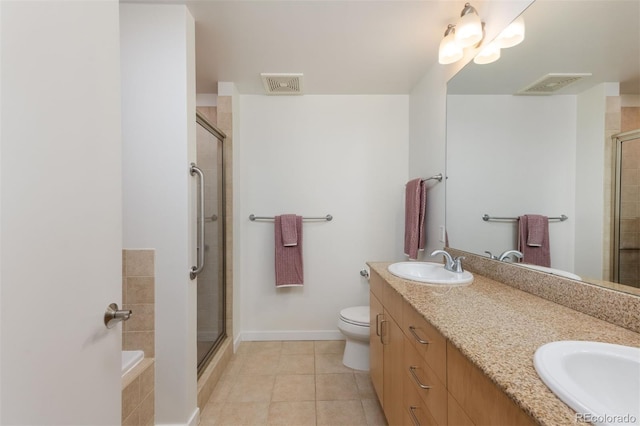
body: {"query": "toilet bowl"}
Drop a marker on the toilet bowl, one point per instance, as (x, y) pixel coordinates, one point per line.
(354, 324)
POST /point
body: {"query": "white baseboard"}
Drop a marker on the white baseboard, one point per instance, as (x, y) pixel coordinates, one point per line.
(253, 336)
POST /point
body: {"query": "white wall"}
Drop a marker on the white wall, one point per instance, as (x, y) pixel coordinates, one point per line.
(61, 212)
(590, 179)
(317, 155)
(158, 109)
(485, 133)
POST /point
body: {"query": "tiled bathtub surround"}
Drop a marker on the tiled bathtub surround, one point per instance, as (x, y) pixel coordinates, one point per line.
(616, 307)
(138, 294)
(138, 333)
(138, 396)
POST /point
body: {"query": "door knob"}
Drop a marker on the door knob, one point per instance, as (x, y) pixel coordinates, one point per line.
(113, 315)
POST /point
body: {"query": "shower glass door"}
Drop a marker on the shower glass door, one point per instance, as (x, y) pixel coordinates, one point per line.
(627, 209)
(211, 281)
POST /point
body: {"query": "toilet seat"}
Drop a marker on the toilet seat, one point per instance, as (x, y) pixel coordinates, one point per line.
(356, 315)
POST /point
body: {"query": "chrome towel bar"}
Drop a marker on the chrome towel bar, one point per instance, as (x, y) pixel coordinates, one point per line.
(437, 177)
(253, 218)
(487, 218)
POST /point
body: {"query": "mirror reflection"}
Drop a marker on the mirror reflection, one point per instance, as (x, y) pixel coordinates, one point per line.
(521, 158)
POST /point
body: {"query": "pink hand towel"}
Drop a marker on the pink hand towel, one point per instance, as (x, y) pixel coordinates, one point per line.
(414, 217)
(535, 255)
(537, 228)
(289, 232)
(288, 259)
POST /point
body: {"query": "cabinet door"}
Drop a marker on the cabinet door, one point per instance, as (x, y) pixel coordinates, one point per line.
(376, 315)
(393, 339)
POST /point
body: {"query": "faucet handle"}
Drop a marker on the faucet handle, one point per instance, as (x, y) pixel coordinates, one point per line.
(491, 256)
(457, 264)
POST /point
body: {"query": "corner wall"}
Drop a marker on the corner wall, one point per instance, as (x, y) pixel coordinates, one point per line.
(158, 113)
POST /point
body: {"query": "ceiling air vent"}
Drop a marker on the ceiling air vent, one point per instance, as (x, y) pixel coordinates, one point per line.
(282, 84)
(551, 83)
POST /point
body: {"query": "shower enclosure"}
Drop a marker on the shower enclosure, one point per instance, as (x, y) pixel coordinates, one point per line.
(626, 250)
(210, 270)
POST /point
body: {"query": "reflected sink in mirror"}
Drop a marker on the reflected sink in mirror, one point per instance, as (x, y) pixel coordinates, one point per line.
(600, 381)
(553, 271)
(430, 273)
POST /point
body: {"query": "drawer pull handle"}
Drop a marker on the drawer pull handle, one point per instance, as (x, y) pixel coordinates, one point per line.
(412, 330)
(414, 419)
(382, 332)
(415, 377)
(378, 325)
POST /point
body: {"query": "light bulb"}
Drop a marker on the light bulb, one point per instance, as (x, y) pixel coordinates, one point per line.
(449, 51)
(512, 35)
(489, 53)
(469, 27)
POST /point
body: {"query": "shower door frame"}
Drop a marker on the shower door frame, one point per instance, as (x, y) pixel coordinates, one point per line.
(618, 140)
(221, 137)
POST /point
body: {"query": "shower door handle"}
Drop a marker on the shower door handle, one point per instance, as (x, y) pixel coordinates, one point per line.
(195, 270)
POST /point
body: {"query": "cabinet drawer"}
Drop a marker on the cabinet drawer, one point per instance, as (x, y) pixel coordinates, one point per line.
(429, 343)
(430, 389)
(478, 396)
(414, 409)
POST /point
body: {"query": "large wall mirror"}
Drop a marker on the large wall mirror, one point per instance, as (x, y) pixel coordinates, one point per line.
(510, 155)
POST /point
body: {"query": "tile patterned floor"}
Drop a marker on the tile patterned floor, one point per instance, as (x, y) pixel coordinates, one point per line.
(292, 383)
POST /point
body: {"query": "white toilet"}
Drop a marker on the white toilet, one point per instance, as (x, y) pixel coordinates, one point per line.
(354, 324)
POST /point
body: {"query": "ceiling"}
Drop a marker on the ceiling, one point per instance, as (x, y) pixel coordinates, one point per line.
(386, 46)
(601, 37)
(341, 47)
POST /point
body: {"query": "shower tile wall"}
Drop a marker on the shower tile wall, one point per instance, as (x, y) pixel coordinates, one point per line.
(138, 294)
(630, 205)
(612, 127)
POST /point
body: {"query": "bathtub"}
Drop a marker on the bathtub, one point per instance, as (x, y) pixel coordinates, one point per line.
(130, 359)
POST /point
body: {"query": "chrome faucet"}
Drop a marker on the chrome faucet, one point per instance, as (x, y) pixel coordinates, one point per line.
(504, 256)
(450, 263)
(491, 256)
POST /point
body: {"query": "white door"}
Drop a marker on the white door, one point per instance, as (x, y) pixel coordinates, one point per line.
(60, 212)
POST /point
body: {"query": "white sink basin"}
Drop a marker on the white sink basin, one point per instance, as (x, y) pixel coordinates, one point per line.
(429, 273)
(600, 381)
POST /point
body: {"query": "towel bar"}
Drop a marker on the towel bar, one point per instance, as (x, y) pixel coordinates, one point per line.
(487, 218)
(253, 218)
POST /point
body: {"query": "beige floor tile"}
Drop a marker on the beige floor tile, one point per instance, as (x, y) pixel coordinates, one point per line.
(336, 413)
(298, 347)
(234, 366)
(243, 413)
(373, 413)
(296, 364)
(365, 386)
(261, 347)
(298, 413)
(260, 363)
(330, 363)
(210, 414)
(221, 390)
(329, 346)
(252, 388)
(336, 387)
(298, 387)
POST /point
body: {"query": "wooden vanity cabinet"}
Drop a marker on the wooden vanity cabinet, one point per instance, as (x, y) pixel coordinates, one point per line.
(386, 347)
(421, 378)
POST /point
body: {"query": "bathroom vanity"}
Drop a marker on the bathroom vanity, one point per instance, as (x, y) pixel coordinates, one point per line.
(464, 355)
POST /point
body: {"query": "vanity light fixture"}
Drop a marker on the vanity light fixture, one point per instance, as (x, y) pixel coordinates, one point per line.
(469, 27)
(449, 51)
(468, 32)
(512, 35)
(489, 53)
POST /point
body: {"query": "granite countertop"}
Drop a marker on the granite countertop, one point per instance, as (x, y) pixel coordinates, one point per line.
(499, 329)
